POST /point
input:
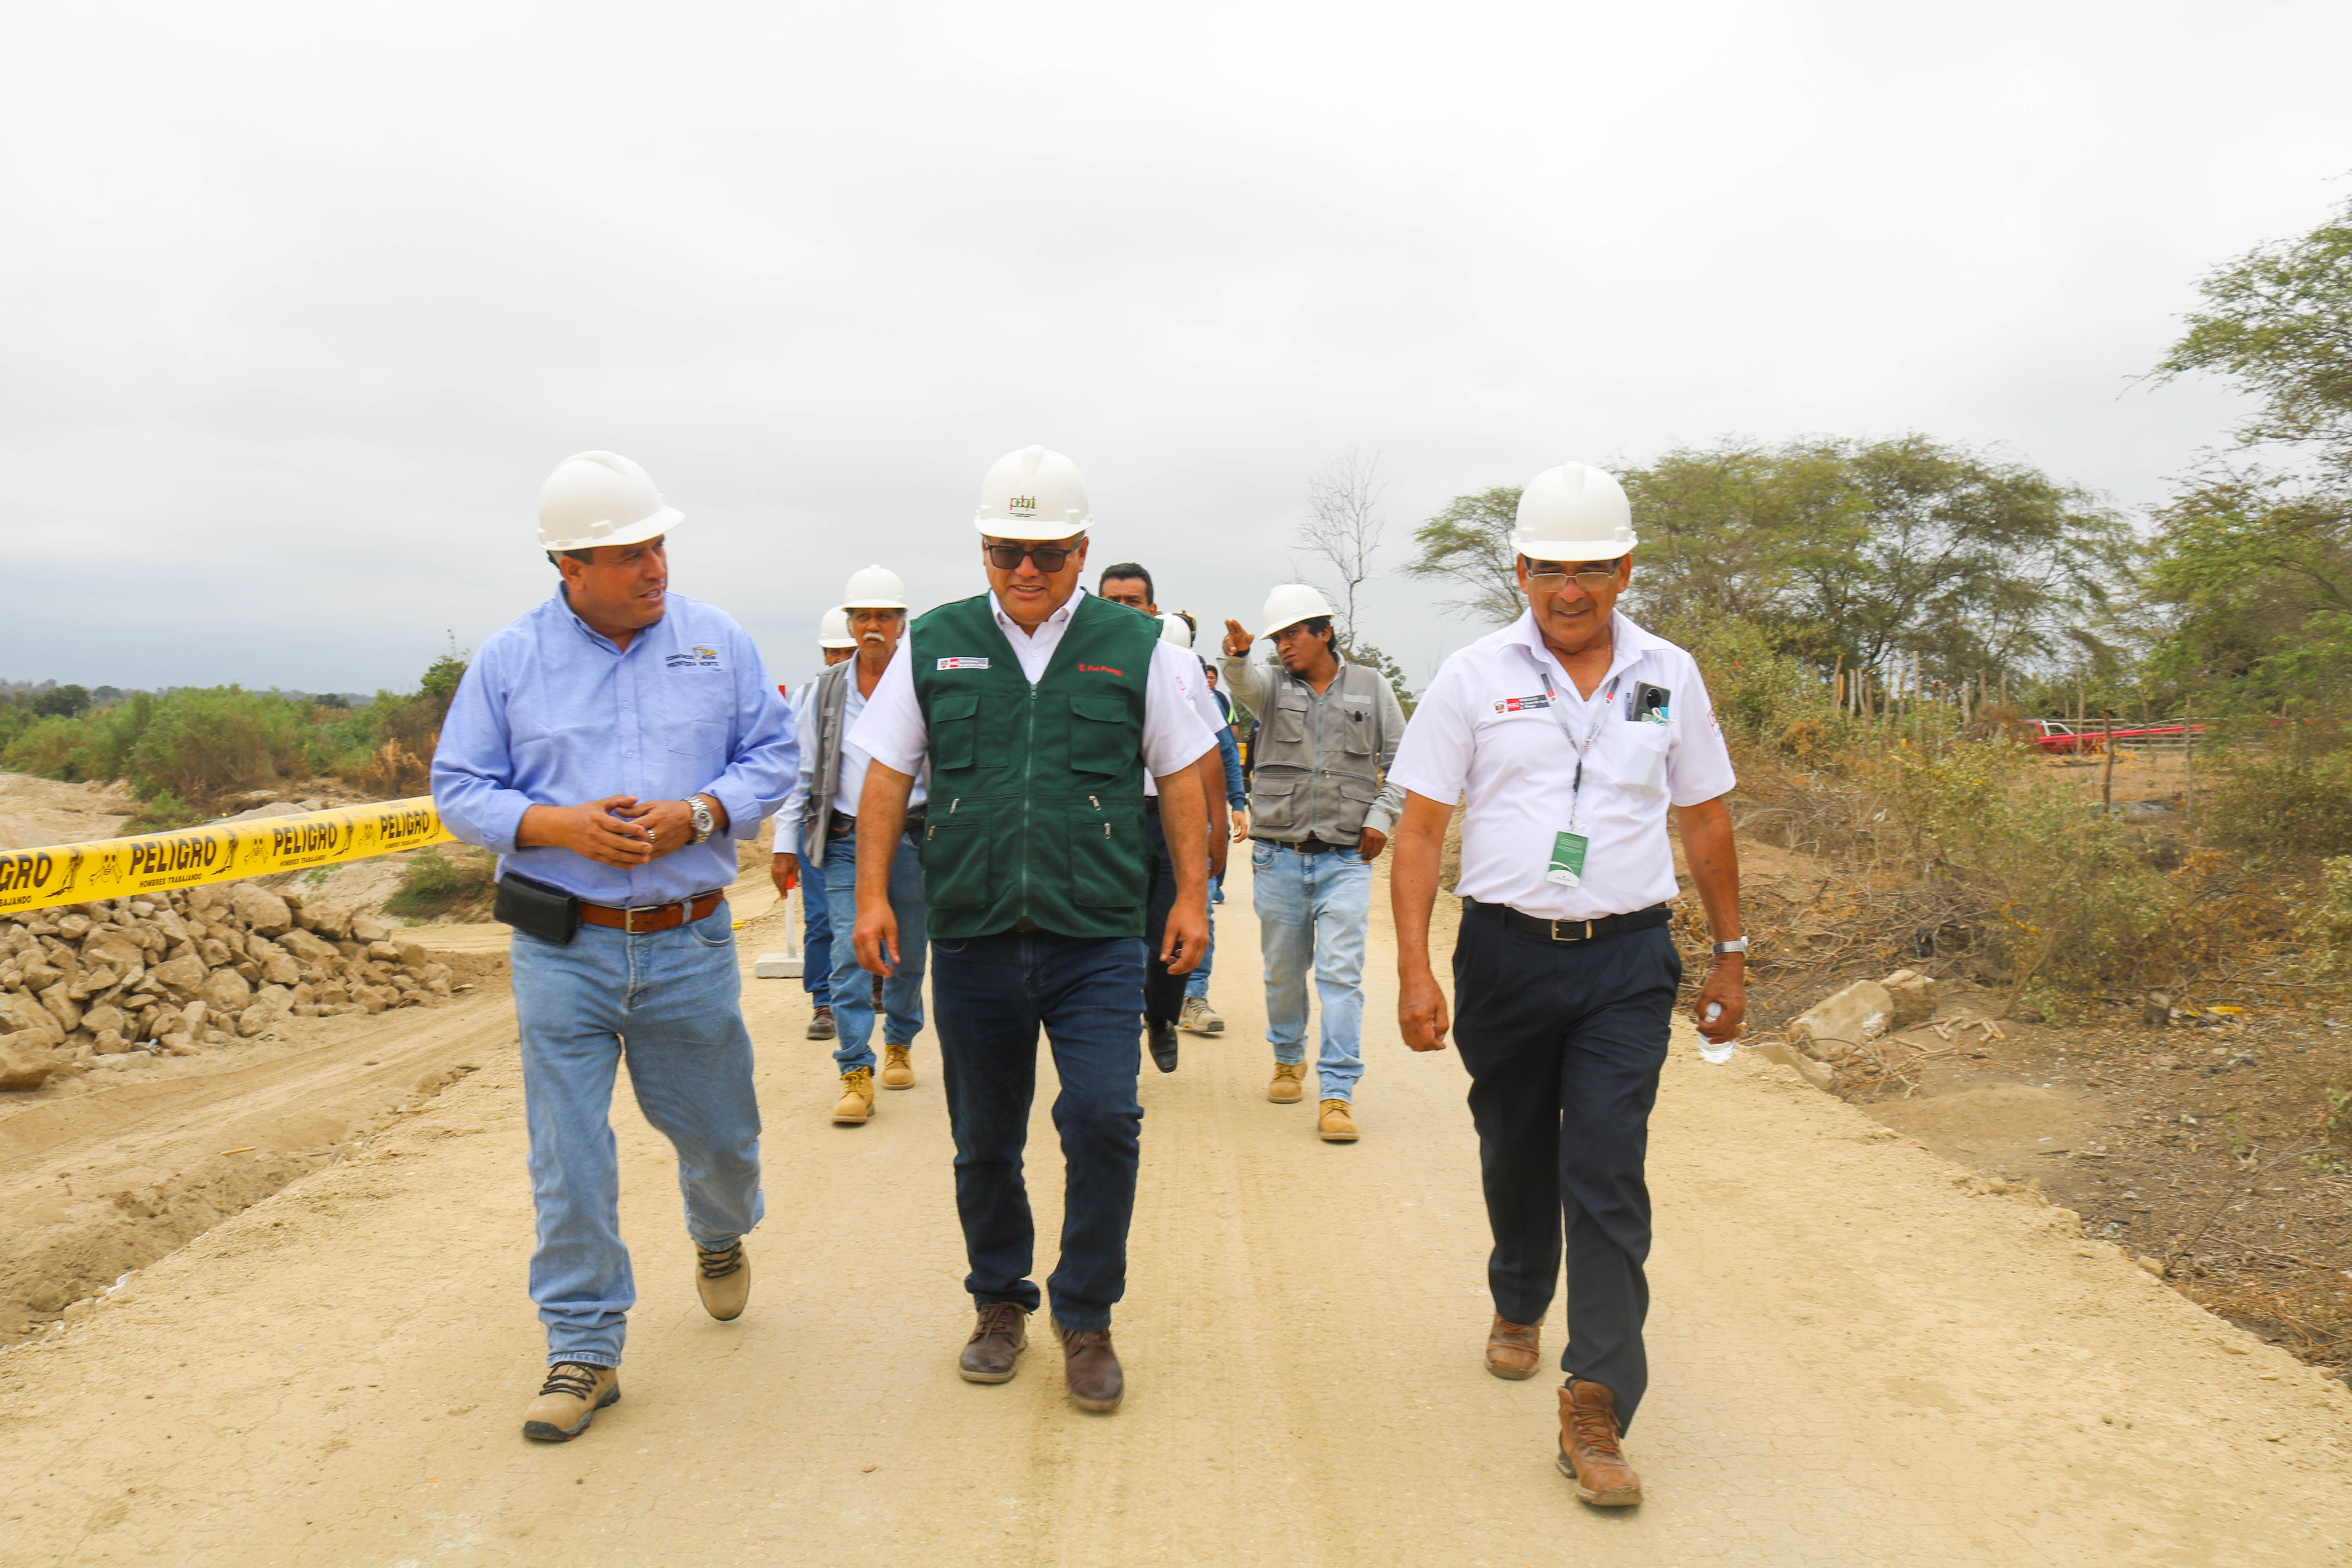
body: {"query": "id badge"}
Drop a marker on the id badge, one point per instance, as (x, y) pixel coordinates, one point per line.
(1567, 859)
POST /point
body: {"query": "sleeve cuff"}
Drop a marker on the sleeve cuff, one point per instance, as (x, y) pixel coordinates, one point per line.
(743, 811)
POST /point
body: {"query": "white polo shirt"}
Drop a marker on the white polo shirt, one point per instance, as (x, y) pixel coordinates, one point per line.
(1487, 735)
(891, 729)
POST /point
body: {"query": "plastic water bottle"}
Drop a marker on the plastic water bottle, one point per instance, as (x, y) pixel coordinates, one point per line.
(1708, 1051)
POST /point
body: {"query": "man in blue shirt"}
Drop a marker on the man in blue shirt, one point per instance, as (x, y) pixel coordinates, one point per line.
(612, 746)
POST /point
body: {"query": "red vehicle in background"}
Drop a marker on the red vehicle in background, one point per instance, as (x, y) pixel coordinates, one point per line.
(2062, 736)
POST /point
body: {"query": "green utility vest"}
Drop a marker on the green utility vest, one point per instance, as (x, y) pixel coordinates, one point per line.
(1036, 795)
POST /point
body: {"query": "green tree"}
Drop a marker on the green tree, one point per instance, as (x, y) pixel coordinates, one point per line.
(2253, 576)
(62, 702)
(1468, 545)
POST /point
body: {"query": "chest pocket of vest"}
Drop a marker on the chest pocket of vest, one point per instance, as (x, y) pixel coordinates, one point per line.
(954, 724)
(1101, 739)
(1287, 725)
(1359, 722)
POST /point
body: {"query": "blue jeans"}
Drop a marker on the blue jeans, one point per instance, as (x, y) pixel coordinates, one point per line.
(671, 1002)
(816, 939)
(853, 988)
(1197, 983)
(992, 993)
(1314, 909)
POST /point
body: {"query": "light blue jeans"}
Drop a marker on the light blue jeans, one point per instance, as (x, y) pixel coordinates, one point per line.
(1197, 983)
(1313, 911)
(670, 1003)
(852, 987)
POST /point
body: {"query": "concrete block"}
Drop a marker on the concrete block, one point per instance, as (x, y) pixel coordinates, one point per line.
(776, 966)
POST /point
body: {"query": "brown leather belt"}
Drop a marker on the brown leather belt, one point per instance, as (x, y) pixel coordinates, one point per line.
(651, 917)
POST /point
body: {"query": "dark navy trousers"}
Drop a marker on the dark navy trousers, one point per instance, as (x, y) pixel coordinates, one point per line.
(991, 996)
(1564, 1042)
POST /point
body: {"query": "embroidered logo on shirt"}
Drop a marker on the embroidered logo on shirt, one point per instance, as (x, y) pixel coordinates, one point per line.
(1521, 704)
(963, 664)
(1100, 670)
(696, 657)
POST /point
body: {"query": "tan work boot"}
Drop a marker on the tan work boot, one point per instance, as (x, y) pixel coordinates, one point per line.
(1588, 1453)
(857, 1102)
(1200, 1017)
(1289, 1083)
(1512, 1349)
(1338, 1122)
(897, 1072)
(574, 1391)
(723, 1279)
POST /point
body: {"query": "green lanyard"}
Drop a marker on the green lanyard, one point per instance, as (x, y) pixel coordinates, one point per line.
(1559, 717)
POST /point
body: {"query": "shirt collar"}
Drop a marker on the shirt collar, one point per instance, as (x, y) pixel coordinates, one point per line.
(562, 603)
(1009, 626)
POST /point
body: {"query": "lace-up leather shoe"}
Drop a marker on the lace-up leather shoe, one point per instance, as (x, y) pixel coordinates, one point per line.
(1163, 1047)
(993, 1354)
(1512, 1349)
(856, 1101)
(822, 1026)
(1338, 1122)
(1589, 1454)
(897, 1072)
(723, 1279)
(1090, 1367)
(1289, 1085)
(574, 1391)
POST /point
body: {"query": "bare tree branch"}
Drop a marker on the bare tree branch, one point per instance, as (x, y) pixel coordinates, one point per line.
(1343, 525)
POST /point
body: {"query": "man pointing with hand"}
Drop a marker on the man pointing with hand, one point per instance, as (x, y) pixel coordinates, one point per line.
(1566, 736)
(612, 746)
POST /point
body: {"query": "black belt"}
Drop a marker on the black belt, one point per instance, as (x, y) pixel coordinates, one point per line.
(1569, 930)
(842, 825)
(1303, 847)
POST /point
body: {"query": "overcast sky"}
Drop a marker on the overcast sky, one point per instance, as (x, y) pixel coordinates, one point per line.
(300, 303)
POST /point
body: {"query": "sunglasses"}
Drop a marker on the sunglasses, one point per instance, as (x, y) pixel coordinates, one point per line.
(1050, 558)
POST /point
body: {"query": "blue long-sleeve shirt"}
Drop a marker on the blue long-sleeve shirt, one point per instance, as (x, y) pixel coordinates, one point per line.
(552, 713)
(1229, 749)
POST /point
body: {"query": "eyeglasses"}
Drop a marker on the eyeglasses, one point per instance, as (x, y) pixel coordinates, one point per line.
(1590, 577)
(1050, 558)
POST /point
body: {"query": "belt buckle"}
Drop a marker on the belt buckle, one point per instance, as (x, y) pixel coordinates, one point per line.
(1585, 936)
(629, 916)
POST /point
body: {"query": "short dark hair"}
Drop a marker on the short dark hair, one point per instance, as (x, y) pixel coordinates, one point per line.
(586, 557)
(1125, 570)
(1316, 625)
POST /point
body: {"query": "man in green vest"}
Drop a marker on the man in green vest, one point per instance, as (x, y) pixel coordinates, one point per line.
(1039, 709)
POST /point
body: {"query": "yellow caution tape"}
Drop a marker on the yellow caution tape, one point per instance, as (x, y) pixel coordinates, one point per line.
(216, 852)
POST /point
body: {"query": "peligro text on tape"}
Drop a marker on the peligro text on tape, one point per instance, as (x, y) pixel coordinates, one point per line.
(216, 852)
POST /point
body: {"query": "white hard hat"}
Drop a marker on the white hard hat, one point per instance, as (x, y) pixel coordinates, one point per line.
(1573, 513)
(600, 497)
(1291, 603)
(1173, 629)
(833, 629)
(1032, 494)
(874, 588)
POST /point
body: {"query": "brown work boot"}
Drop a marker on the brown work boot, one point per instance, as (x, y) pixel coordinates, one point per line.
(1338, 1122)
(1289, 1083)
(821, 1028)
(998, 1338)
(723, 1279)
(857, 1102)
(1512, 1349)
(574, 1391)
(1588, 1453)
(897, 1072)
(1090, 1367)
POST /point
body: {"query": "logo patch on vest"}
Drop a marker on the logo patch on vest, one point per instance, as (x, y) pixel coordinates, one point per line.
(1522, 704)
(1100, 670)
(963, 664)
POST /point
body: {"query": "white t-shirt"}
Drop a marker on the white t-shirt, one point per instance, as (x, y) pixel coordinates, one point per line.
(891, 730)
(1487, 734)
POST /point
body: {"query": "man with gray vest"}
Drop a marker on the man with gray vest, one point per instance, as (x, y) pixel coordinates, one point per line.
(1319, 814)
(836, 644)
(818, 825)
(1038, 710)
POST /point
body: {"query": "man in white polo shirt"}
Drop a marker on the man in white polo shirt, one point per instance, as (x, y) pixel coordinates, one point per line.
(1566, 735)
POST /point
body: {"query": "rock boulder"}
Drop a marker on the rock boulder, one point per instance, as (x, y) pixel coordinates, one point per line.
(260, 910)
(1830, 1028)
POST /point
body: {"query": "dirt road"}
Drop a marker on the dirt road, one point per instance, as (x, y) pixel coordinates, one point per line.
(1859, 1358)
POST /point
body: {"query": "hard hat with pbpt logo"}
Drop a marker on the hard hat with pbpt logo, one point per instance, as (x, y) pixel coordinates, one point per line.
(1573, 513)
(1032, 494)
(833, 629)
(1291, 603)
(600, 497)
(874, 588)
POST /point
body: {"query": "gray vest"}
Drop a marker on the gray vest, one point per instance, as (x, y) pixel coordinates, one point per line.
(1315, 769)
(826, 710)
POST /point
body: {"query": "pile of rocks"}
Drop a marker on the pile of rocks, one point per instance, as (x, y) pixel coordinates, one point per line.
(173, 973)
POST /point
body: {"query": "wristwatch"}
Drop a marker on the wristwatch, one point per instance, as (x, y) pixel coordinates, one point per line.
(1736, 944)
(705, 824)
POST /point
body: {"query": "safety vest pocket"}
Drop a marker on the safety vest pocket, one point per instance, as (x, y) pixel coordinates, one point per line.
(954, 725)
(1103, 736)
(956, 850)
(1108, 865)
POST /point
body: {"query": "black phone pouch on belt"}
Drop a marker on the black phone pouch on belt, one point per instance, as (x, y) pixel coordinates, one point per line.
(548, 913)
